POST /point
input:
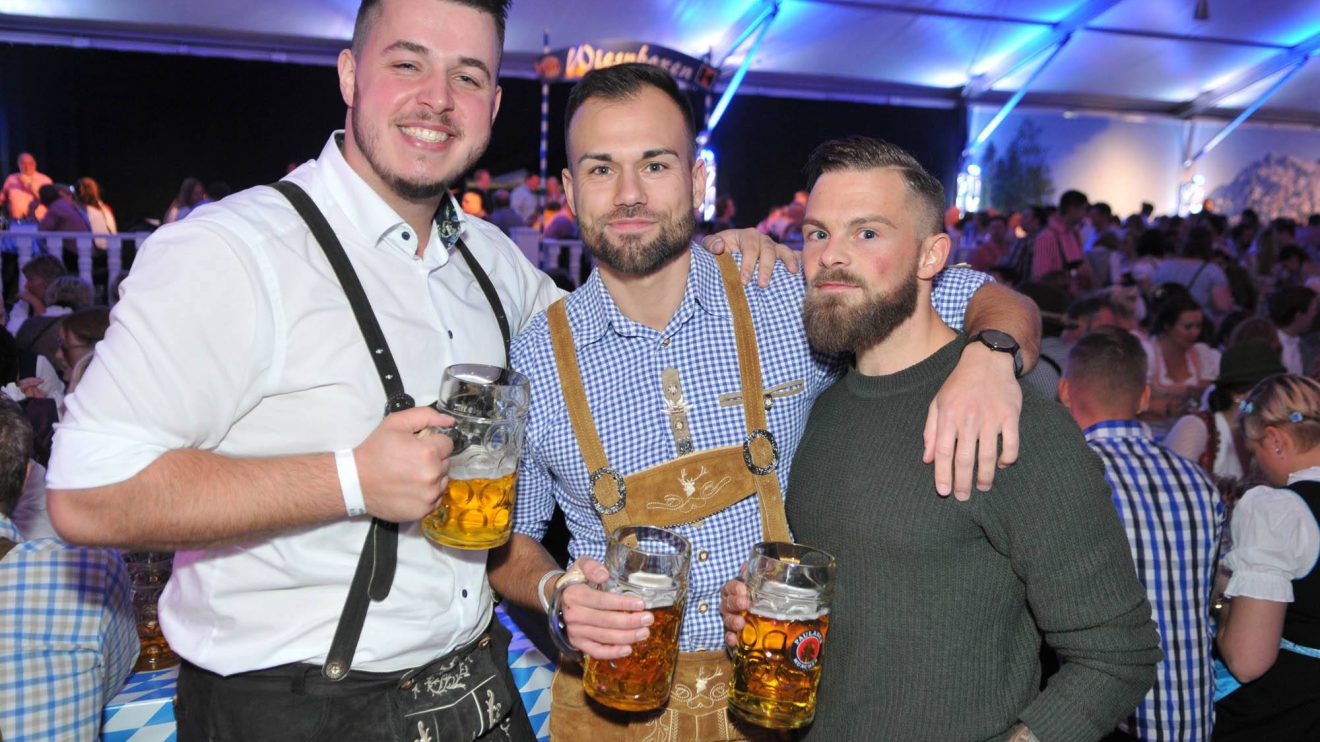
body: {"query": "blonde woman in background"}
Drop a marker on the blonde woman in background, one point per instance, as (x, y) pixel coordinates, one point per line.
(1269, 622)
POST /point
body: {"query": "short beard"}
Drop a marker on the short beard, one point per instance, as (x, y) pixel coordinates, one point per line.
(835, 325)
(410, 190)
(635, 257)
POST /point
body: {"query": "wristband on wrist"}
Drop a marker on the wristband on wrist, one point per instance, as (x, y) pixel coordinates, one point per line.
(553, 574)
(349, 484)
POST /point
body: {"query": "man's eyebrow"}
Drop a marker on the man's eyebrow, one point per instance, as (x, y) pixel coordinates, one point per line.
(602, 156)
(859, 221)
(408, 46)
(423, 50)
(651, 153)
(813, 223)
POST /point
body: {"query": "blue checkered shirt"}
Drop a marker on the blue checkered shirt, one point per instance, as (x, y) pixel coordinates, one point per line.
(1173, 516)
(621, 363)
(68, 637)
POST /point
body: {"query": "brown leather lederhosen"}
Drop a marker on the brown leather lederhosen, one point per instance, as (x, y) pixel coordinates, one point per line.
(668, 495)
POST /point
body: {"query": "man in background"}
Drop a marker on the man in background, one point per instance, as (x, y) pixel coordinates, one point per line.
(21, 190)
(1172, 515)
(68, 636)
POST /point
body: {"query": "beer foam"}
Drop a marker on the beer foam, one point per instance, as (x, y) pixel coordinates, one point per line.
(656, 590)
(783, 609)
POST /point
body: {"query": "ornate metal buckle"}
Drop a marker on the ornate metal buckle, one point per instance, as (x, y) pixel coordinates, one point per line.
(618, 482)
(747, 452)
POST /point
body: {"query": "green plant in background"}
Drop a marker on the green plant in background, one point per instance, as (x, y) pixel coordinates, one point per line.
(1021, 177)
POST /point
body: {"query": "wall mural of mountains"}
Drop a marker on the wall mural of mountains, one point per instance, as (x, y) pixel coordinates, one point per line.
(1275, 185)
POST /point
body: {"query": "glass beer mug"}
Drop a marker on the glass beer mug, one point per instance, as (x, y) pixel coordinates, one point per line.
(777, 661)
(652, 564)
(149, 571)
(489, 406)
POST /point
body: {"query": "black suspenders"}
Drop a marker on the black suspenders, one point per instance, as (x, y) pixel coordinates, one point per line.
(375, 569)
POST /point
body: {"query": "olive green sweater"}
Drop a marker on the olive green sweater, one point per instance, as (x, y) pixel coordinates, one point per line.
(941, 605)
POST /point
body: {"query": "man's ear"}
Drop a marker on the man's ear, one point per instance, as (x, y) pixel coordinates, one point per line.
(933, 254)
(347, 76)
(698, 183)
(566, 177)
(1063, 391)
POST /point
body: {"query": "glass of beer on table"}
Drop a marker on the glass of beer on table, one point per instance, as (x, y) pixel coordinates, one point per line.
(777, 661)
(652, 564)
(489, 407)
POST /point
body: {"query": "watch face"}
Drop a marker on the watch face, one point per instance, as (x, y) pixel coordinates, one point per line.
(998, 340)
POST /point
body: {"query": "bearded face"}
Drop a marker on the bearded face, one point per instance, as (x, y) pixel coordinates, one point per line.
(850, 321)
(636, 254)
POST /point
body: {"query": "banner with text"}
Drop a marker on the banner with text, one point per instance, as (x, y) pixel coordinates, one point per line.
(568, 65)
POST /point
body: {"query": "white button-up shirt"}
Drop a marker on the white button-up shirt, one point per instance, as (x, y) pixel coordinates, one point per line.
(234, 336)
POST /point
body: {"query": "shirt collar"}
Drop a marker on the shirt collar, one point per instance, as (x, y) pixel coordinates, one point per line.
(9, 530)
(1112, 429)
(1309, 474)
(596, 312)
(375, 219)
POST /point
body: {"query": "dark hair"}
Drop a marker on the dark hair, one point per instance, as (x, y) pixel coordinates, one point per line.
(1152, 243)
(1250, 215)
(15, 450)
(88, 325)
(369, 11)
(1088, 306)
(500, 198)
(87, 191)
(218, 189)
(1288, 302)
(1111, 364)
(69, 291)
(1200, 242)
(865, 153)
(625, 81)
(186, 189)
(1288, 252)
(1042, 214)
(48, 267)
(1147, 207)
(48, 194)
(1170, 309)
(1071, 199)
(1313, 220)
(1103, 208)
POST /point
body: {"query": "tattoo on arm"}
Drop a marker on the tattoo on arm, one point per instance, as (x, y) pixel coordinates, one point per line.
(1022, 734)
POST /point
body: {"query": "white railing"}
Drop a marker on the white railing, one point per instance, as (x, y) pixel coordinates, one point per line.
(31, 242)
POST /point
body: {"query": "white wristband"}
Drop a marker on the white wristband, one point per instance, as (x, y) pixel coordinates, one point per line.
(349, 484)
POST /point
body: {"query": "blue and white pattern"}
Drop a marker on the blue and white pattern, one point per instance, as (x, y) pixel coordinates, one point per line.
(144, 710)
(1173, 517)
(68, 637)
(621, 362)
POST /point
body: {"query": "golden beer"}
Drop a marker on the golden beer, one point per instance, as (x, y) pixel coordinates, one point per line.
(155, 653)
(473, 513)
(776, 669)
(640, 681)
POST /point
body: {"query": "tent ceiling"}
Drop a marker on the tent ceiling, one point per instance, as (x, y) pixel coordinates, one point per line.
(1132, 55)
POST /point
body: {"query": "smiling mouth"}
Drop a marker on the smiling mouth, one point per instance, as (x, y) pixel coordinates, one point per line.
(426, 135)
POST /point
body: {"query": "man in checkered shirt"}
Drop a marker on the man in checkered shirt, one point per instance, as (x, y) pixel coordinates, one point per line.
(654, 303)
(1173, 517)
(68, 637)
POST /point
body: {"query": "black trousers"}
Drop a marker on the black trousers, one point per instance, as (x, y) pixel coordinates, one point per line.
(295, 702)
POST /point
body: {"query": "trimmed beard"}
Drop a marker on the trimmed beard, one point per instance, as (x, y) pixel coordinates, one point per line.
(634, 257)
(835, 325)
(410, 190)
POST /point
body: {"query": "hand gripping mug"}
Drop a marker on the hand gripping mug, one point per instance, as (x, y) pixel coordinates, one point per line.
(652, 564)
(489, 406)
(777, 661)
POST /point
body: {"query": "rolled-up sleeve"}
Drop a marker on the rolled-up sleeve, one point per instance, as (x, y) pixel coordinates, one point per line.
(952, 290)
(188, 352)
(1275, 541)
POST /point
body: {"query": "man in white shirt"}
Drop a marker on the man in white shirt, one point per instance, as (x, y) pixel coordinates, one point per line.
(234, 365)
(1292, 310)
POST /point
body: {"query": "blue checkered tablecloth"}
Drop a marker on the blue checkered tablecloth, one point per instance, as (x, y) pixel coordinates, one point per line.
(144, 710)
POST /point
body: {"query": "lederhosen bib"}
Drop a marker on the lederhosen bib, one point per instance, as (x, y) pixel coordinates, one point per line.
(698, 700)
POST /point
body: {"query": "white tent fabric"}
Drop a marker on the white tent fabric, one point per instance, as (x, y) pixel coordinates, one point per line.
(1148, 56)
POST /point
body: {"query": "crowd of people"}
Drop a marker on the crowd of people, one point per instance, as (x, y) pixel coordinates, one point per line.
(233, 413)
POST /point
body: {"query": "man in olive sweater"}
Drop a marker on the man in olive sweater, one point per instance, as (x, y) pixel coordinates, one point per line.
(941, 605)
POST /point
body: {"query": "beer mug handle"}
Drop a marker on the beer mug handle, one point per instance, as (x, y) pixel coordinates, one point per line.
(555, 618)
(461, 440)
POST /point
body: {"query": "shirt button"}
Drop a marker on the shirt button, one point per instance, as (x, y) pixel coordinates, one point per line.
(664, 343)
(703, 555)
(465, 592)
(703, 608)
(407, 235)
